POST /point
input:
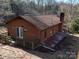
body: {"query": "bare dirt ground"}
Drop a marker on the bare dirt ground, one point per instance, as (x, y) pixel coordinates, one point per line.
(8, 52)
(68, 51)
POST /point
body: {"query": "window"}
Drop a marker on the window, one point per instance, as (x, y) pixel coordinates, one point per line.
(51, 33)
(45, 34)
(19, 32)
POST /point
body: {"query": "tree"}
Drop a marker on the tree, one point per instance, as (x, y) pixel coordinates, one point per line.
(51, 7)
(74, 28)
(71, 11)
(14, 7)
(18, 7)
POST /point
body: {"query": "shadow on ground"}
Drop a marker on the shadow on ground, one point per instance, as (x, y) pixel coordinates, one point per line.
(68, 49)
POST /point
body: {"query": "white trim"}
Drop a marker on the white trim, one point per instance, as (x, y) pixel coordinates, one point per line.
(20, 32)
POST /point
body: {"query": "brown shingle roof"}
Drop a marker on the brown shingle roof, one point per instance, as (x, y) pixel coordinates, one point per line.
(34, 20)
(49, 20)
(42, 21)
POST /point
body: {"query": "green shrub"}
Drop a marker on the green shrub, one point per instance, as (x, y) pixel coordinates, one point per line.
(6, 39)
(74, 26)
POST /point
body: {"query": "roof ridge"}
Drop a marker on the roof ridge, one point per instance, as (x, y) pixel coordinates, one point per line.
(37, 19)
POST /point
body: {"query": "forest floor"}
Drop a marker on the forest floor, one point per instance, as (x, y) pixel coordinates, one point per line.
(71, 51)
(8, 52)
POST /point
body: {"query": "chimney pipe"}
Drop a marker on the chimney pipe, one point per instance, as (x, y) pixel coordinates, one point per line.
(62, 17)
(62, 21)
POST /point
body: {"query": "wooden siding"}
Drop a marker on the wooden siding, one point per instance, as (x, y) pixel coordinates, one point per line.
(48, 31)
(30, 31)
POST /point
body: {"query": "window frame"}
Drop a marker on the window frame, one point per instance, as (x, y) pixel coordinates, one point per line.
(19, 32)
(45, 34)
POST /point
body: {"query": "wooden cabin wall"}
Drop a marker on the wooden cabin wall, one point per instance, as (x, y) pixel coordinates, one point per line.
(45, 34)
(31, 33)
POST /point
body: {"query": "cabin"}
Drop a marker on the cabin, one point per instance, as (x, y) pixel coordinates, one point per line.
(30, 30)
